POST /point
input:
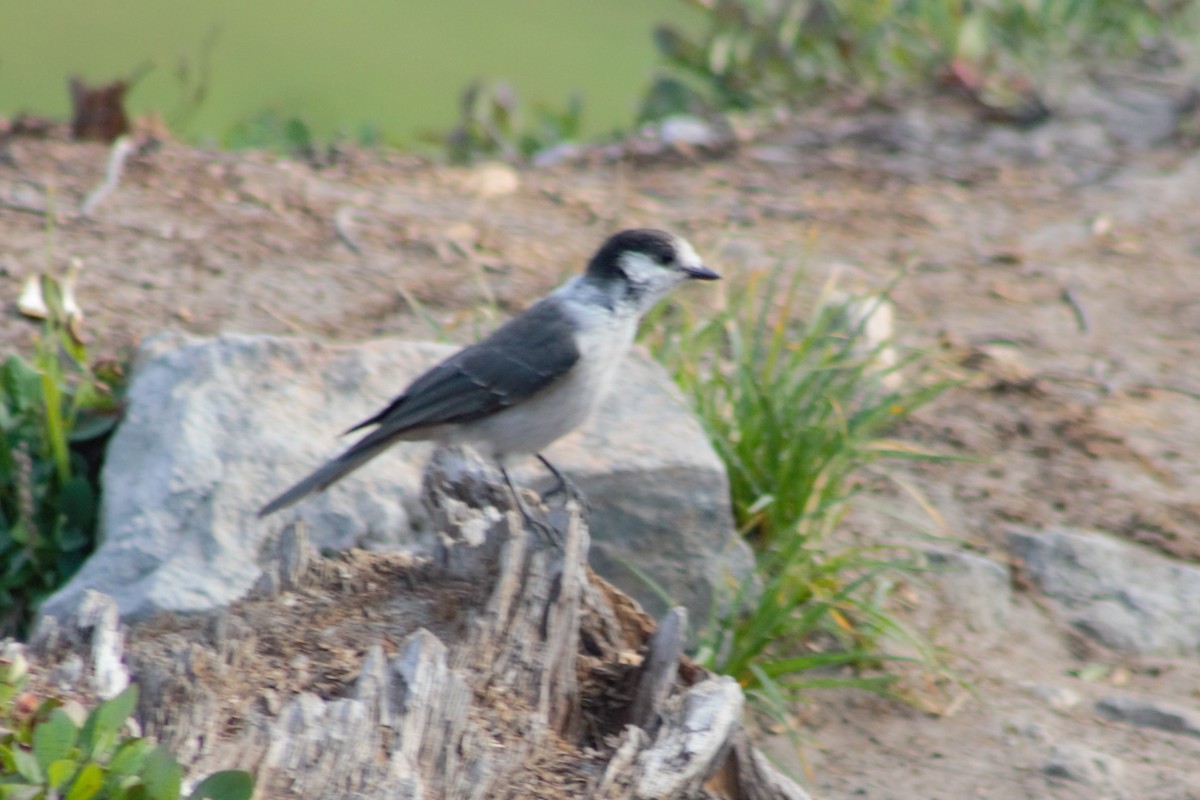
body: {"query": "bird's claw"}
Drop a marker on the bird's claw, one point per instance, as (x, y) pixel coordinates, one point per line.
(545, 530)
(542, 527)
(562, 485)
(568, 488)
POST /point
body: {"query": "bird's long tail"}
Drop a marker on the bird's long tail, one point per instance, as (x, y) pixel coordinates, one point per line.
(358, 454)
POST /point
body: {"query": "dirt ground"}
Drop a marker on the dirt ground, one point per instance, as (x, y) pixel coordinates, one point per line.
(1068, 273)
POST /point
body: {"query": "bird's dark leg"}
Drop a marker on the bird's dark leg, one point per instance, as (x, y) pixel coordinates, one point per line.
(541, 527)
(563, 483)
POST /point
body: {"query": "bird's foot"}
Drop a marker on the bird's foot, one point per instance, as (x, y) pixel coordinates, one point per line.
(540, 526)
(543, 529)
(563, 485)
(569, 489)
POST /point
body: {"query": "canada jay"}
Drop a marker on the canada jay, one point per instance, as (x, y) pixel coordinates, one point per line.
(539, 375)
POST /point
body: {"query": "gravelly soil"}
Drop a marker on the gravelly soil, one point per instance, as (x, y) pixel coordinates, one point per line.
(1063, 264)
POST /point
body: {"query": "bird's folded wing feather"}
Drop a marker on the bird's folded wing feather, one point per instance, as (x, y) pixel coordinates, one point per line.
(520, 359)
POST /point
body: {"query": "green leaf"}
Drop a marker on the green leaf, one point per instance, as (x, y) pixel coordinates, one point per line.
(105, 721)
(87, 784)
(162, 776)
(52, 296)
(19, 533)
(19, 791)
(54, 739)
(92, 426)
(61, 771)
(74, 348)
(129, 757)
(77, 501)
(6, 760)
(22, 384)
(26, 765)
(227, 785)
(297, 134)
(69, 539)
(55, 424)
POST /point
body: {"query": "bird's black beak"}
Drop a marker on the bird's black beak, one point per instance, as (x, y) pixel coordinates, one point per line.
(701, 273)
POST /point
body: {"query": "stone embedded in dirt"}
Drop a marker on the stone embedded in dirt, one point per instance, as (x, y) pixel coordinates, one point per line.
(1084, 765)
(969, 589)
(1058, 698)
(689, 131)
(1032, 731)
(1121, 594)
(1150, 713)
(1132, 112)
(216, 427)
(999, 365)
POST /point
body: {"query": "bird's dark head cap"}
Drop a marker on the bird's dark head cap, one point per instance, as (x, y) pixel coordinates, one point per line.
(663, 249)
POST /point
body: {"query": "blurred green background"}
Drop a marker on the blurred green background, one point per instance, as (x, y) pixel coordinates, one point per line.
(396, 65)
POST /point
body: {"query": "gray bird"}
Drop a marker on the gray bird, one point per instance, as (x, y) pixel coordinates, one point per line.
(538, 376)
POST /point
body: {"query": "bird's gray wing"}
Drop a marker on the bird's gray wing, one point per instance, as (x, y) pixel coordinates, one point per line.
(522, 357)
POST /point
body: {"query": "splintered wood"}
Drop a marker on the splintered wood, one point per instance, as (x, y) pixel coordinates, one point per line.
(499, 668)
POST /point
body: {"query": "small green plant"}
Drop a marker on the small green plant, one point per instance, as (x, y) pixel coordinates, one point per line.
(798, 412)
(756, 52)
(53, 411)
(269, 130)
(293, 136)
(491, 125)
(50, 749)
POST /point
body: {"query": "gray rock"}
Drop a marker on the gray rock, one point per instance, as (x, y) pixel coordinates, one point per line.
(1084, 765)
(974, 588)
(1132, 112)
(215, 427)
(1058, 698)
(1150, 713)
(561, 153)
(1032, 731)
(960, 599)
(687, 130)
(1121, 594)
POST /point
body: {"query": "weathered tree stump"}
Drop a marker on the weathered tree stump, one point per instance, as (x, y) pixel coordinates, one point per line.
(500, 667)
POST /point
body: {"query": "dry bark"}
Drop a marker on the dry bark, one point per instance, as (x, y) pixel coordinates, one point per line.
(500, 667)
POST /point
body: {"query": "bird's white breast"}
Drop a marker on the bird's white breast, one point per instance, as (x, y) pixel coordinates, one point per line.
(603, 337)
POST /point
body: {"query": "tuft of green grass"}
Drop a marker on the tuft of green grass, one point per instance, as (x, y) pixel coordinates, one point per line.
(755, 52)
(799, 408)
(55, 412)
